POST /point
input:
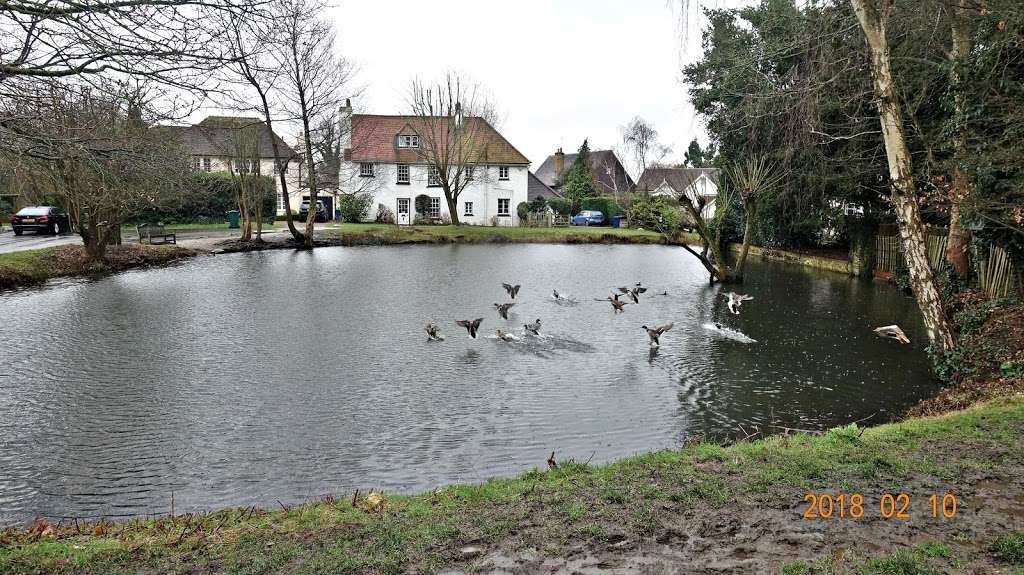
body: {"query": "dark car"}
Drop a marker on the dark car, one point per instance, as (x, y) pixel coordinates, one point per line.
(41, 219)
(321, 211)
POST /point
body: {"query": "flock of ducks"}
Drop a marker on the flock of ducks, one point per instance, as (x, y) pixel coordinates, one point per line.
(618, 301)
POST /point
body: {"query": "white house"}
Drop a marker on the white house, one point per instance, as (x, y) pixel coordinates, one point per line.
(385, 156)
(211, 143)
(699, 184)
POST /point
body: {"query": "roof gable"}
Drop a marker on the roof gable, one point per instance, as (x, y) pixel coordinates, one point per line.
(373, 140)
(215, 136)
(606, 169)
(678, 178)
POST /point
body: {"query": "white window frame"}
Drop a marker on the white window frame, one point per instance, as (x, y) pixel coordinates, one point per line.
(434, 209)
(508, 206)
(467, 209)
(402, 168)
(433, 176)
(408, 141)
(280, 200)
(366, 170)
(207, 165)
(503, 172)
(467, 173)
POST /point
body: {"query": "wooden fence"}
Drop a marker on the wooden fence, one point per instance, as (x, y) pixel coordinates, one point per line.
(889, 253)
(995, 274)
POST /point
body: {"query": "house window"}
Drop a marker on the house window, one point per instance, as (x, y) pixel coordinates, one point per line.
(365, 170)
(433, 176)
(502, 172)
(469, 173)
(468, 210)
(280, 201)
(408, 141)
(403, 173)
(206, 165)
(435, 207)
(503, 206)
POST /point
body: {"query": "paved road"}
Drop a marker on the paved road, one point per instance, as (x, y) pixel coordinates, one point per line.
(32, 241)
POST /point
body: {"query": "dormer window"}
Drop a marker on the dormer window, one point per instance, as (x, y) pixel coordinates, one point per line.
(408, 141)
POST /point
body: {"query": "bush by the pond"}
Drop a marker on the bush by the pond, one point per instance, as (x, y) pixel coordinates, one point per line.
(206, 200)
(385, 215)
(653, 213)
(354, 207)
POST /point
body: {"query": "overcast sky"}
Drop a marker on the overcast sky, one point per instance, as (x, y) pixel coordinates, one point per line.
(560, 71)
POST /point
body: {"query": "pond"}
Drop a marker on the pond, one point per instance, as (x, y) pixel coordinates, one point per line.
(249, 379)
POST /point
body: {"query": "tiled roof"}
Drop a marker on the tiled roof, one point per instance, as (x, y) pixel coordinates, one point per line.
(608, 173)
(538, 189)
(678, 178)
(373, 140)
(214, 136)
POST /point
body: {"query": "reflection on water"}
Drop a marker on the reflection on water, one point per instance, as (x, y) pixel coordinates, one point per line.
(252, 378)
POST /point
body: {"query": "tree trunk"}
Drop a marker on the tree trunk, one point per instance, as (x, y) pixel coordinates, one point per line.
(453, 207)
(959, 238)
(748, 233)
(904, 194)
(296, 234)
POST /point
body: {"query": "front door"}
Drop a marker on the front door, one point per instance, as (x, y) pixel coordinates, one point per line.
(402, 217)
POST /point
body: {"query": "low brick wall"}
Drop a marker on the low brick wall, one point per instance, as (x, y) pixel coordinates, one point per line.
(815, 262)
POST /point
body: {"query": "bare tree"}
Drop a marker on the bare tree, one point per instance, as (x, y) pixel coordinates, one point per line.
(754, 179)
(315, 79)
(641, 141)
(100, 152)
(873, 16)
(454, 122)
(244, 167)
(251, 46)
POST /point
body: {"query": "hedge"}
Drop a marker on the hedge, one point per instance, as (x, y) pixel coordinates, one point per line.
(206, 199)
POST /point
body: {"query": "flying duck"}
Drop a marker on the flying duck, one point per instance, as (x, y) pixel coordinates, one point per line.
(511, 289)
(503, 309)
(736, 300)
(433, 334)
(533, 328)
(655, 332)
(470, 325)
(617, 305)
(893, 331)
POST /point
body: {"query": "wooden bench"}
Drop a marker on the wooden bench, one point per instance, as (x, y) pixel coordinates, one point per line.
(155, 234)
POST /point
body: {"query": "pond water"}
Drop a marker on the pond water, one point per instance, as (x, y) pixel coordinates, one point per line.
(249, 379)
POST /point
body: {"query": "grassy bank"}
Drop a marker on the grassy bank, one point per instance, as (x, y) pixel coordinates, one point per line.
(701, 505)
(37, 266)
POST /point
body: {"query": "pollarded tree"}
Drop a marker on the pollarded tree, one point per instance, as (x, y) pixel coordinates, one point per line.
(754, 179)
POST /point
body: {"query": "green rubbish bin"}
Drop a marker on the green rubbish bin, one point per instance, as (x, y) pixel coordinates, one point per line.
(233, 218)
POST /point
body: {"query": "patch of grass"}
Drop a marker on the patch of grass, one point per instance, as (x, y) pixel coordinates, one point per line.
(37, 266)
(1010, 548)
(383, 234)
(545, 510)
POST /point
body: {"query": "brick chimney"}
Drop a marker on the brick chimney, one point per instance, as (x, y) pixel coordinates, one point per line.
(559, 164)
(345, 128)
